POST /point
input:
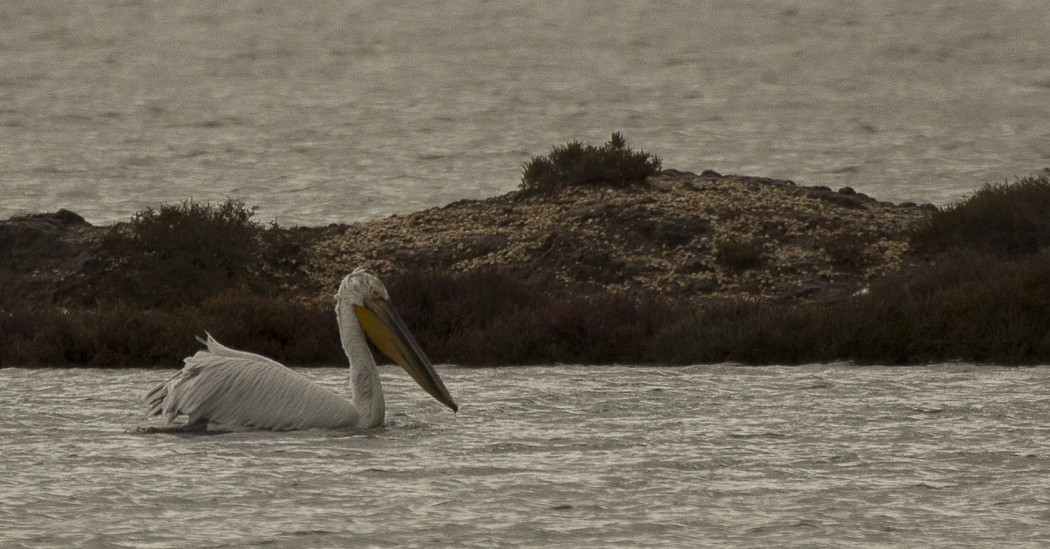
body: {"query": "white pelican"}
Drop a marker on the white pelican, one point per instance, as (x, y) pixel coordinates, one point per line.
(223, 389)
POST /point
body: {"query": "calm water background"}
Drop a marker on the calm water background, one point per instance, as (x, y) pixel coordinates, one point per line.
(343, 111)
(572, 456)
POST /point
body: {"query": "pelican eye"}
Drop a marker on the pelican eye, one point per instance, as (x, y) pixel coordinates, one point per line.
(376, 294)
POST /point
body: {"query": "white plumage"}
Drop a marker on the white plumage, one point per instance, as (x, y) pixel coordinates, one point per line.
(224, 389)
(234, 390)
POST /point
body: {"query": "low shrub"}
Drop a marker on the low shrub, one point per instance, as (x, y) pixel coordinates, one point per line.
(489, 318)
(847, 251)
(181, 254)
(119, 336)
(479, 319)
(613, 164)
(1010, 219)
(968, 306)
(288, 331)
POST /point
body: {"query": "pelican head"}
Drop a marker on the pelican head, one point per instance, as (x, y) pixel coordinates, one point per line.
(370, 302)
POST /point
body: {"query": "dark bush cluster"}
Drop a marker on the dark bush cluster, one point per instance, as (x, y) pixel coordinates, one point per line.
(489, 318)
(969, 306)
(847, 251)
(479, 319)
(1007, 219)
(613, 164)
(181, 254)
(121, 335)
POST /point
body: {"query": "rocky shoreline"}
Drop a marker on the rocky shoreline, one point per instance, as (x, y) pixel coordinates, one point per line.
(682, 235)
(690, 237)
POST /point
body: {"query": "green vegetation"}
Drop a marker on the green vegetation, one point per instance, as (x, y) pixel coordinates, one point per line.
(613, 164)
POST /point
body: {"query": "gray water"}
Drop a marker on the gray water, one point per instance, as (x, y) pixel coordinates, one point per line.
(344, 111)
(341, 111)
(569, 456)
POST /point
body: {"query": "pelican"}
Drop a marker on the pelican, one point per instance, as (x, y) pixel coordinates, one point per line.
(227, 390)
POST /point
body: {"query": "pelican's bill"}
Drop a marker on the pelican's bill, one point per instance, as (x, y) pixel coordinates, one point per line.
(389, 334)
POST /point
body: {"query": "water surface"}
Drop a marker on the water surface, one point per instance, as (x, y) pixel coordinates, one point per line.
(835, 456)
(341, 111)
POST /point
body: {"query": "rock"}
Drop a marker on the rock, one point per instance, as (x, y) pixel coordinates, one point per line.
(853, 201)
(35, 237)
(45, 254)
(67, 217)
(678, 174)
(587, 212)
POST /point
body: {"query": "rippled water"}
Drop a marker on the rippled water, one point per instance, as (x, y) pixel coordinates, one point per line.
(842, 456)
(340, 111)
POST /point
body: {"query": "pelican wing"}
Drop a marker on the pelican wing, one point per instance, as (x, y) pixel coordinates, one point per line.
(231, 389)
